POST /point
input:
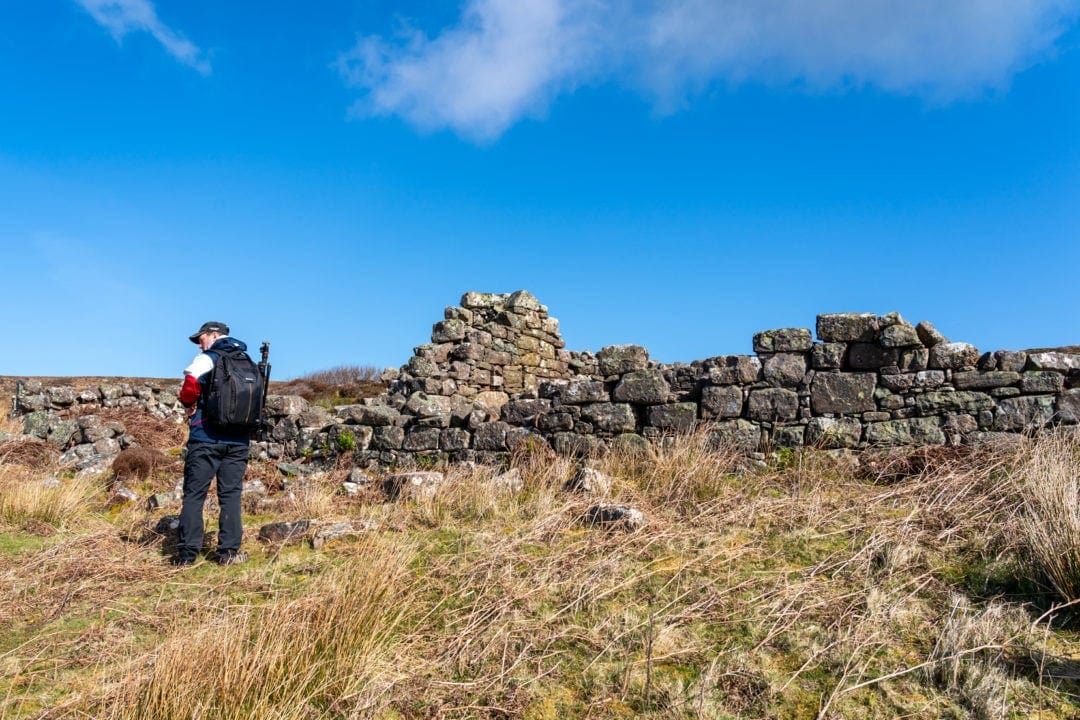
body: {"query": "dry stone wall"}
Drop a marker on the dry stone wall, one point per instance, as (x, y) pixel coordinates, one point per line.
(496, 375)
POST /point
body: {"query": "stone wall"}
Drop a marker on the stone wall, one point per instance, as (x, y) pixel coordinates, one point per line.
(496, 374)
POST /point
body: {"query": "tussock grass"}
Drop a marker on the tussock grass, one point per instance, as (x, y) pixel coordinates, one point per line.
(35, 503)
(1048, 480)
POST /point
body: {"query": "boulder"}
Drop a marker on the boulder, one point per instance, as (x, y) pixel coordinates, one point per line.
(980, 380)
(939, 401)
(741, 435)
(871, 356)
(721, 402)
(900, 335)
(1059, 361)
(910, 431)
(828, 356)
(681, 417)
(1068, 406)
(281, 405)
(929, 335)
(610, 417)
(285, 532)
(589, 481)
(733, 369)
(785, 369)
(1032, 381)
(412, 485)
(1024, 414)
(611, 516)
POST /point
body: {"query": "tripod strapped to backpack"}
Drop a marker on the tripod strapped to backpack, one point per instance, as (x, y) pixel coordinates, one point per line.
(264, 371)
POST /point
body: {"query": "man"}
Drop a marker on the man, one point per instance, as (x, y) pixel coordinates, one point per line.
(211, 450)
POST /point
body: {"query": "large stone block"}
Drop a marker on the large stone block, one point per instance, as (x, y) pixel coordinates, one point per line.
(828, 356)
(847, 327)
(1042, 381)
(448, 331)
(953, 356)
(422, 438)
(1068, 406)
(574, 392)
(1059, 361)
(490, 436)
(941, 401)
(843, 393)
(979, 380)
(911, 431)
(610, 417)
(871, 356)
(681, 417)
(734, 370)
(783, 340)
(525, 411)
(620, 359)
(929, 335)
(721, 402)
(772, 405)
(644, 387)
(833, 433)
(785, 369)
(741, 435)
(900, 335)
(925, 380)
(1024, 414)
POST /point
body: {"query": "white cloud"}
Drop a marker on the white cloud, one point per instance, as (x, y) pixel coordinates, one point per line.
(508, 59)
(121, 17)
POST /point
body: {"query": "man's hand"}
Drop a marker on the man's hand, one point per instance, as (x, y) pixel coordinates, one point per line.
(189, 410)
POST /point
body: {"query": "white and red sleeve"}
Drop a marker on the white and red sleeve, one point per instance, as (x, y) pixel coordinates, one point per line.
(190, 390)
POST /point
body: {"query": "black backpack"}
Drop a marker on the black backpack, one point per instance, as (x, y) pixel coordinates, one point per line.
(234, 391)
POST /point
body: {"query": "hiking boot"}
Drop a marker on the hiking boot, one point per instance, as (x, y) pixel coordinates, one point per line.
(231, 557)
(177, 561)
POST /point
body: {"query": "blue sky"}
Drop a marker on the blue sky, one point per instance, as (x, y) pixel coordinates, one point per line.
(677, 174)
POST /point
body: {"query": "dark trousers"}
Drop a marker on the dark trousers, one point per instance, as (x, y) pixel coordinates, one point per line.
(203, 462)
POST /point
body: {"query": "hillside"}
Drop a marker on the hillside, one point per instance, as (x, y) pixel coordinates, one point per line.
(915, 585)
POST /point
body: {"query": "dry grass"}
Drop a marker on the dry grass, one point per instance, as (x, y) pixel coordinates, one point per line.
(33, 503)
(797, 590)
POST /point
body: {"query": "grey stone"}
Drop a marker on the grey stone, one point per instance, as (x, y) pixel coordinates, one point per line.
(879, 416)
(61, 396)
(421, 438)
(36, 424)
(1010, 361)
(847, 327)
(111, 392)
(423, 405)
(644, 387)
(740, 435)
(783, 340)
(32, 403)
(523, 301)
(280, 405)
(979, 380)
(508, 482)
(911, 431)
(490, 436)
(871, 356)
(900, 335)
(831, 433)
(568, 444)
(772, 405)
(316, 417)
(828, 356)
(785, 369)
(953, 356)
(324, 534)
(681, 417)
(789, 435)
(1060, 361)
(610, 516)
(630, 443)
(62, 432)
(939, 401)
(491, 400)
(929, 335)
(421, 367)
(123, 496)
(843, 393)
(575, 392)
(373, 415)
(1040, 381)
(451, 439)
(913, 359)
(448, 331)
(387, 438)
(108, 446)
(164, 500)
(412, 485)
(610, 417)
(253, 487)
(526, 411)
(734, 369)
(721, 402)
(621, 359)
(1024, 414)
(1004, 392)
(285, 532)
(1068, 406)
(589, 481)
(925, 380)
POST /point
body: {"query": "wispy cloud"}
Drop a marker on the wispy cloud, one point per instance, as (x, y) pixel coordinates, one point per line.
(121, 17)
(508, 59)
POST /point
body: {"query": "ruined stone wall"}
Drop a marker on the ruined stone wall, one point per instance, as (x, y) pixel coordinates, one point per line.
(496, 374)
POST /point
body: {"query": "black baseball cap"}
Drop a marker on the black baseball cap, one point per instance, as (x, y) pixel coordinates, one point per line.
(208, 327)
